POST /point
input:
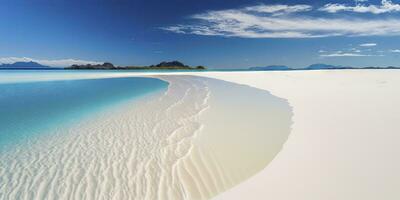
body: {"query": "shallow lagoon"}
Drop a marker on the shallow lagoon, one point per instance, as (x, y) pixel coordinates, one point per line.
(32, 108)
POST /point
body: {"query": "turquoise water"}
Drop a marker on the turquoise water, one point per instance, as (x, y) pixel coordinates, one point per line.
(33, 108)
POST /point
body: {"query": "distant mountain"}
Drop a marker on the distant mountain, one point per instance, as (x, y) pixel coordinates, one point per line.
(24, 65)
(325, 66)
(105, 65)
(171, 64)
(390, 67)
(271, 68)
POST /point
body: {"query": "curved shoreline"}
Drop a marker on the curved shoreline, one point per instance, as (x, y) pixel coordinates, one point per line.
(226, 134)
(166, 147)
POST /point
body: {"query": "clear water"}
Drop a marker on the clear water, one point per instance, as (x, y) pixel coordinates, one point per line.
(28, 109)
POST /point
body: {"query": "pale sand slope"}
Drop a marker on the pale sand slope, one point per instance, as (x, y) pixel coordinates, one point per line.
(345, 140)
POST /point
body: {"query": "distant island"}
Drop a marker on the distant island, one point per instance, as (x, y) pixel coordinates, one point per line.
(313, 67)
(173, 65)
(24, 65)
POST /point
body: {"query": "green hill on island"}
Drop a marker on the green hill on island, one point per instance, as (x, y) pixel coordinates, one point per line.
(173, 65)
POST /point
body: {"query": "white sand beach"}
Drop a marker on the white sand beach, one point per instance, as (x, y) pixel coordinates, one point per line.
(345, 140)
(200, 100)
(191, 143)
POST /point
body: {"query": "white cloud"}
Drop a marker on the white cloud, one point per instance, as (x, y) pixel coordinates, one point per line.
(346, 55)
(394, 50)
(368, 45)
(175, 29)
(247, 24)
(279, 9)
(334, 7)
(386, 6)
(52, 63)
(352, 52)
(355, 50)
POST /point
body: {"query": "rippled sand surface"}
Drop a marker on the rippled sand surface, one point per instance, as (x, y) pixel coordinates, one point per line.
(199, 138)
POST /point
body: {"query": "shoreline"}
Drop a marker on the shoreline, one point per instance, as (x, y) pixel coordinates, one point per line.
(154, 148)
(227, 155)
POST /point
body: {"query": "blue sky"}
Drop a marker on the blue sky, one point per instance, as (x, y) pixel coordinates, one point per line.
(217, 34)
